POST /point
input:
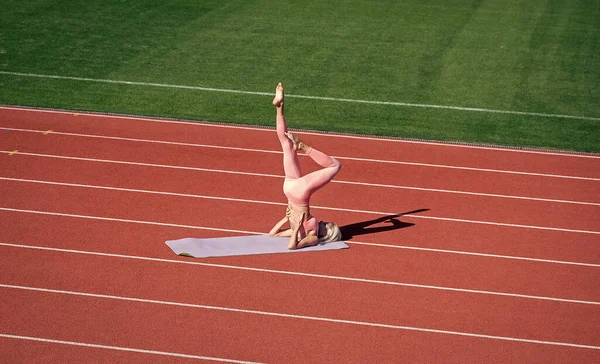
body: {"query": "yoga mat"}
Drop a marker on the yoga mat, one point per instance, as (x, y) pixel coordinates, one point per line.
(241, 245)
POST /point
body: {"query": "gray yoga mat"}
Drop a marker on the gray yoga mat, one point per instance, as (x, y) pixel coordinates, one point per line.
(241, 245)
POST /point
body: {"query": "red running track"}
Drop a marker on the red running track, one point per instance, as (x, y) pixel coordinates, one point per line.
(496, 259)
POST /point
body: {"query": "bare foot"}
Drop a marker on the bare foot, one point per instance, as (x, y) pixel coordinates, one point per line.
(278, 100)
(298, 144)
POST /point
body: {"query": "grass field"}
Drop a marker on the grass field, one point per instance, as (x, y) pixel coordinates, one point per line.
(531, 56)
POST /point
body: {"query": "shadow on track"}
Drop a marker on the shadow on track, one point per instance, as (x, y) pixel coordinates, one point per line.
(362, 228)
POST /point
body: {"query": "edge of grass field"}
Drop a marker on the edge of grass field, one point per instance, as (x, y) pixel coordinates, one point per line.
(357, 135)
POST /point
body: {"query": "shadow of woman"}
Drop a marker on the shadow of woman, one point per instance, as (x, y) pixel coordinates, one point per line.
(362, 228)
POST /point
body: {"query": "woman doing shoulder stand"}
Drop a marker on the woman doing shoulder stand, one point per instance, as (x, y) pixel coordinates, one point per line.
(305, 229)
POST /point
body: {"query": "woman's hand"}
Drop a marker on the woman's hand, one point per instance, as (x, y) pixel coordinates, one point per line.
(302, 218)
(294, 244)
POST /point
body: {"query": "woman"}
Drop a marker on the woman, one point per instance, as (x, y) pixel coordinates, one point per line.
(305, 230)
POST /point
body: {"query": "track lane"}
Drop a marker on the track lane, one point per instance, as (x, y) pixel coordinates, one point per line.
(574, 282)
(406, 229)
(270, 163)
(337, 145)
(27, 350)
(239, 334)
(426, 233)
(370, 198)
(295, 295)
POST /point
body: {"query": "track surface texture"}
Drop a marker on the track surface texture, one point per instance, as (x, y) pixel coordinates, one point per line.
(458, 254)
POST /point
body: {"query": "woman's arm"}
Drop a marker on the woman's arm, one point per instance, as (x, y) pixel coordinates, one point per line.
(286, 232)
(277, 228)
(294, 237)
(310, 239)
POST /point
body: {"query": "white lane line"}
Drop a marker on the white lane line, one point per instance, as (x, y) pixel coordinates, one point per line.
(143, 191)
(139, 164)
(368, 160)
(499, 224)
(127, 220)
(311, 275)
(120, 348)
(300, 317)
(468, 193)
(138, 140)
(312, 206)
(486, 255)
(321, 98)
(329, 135)
(474, 169)
(212, 170)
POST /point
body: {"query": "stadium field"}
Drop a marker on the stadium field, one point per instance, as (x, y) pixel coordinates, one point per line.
(517, 73)
(128, 124)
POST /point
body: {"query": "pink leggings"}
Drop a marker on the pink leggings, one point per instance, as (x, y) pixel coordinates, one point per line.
(296, 187)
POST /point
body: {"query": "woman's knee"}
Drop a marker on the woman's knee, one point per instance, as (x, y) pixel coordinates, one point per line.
(337, 165)
(334, 169)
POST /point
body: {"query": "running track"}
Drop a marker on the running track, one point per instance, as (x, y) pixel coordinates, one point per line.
(494, 256)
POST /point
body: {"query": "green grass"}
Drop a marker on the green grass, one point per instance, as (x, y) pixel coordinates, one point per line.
(538, 56)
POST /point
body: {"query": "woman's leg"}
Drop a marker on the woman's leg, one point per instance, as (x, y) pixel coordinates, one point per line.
(291, 164)
(320, 178)
(303, 187)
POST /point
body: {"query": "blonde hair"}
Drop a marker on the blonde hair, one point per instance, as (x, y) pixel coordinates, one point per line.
(333, 233)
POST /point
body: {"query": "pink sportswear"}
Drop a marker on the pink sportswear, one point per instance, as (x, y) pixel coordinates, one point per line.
(297, 188)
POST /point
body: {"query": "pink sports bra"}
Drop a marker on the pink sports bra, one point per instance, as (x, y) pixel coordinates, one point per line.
(311, 224)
